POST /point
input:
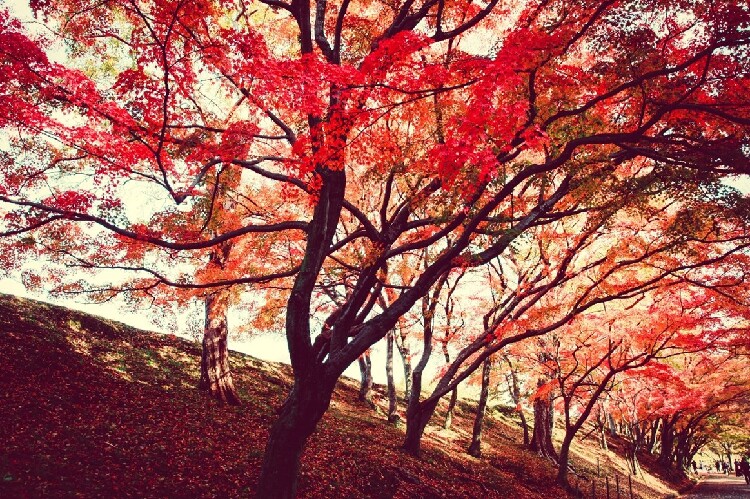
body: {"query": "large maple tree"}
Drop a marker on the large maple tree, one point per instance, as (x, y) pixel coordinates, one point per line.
(389, 128)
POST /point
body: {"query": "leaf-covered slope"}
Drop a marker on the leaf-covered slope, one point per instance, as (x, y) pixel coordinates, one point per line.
(94, 408)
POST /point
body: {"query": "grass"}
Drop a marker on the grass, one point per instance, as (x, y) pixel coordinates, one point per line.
(94, 408)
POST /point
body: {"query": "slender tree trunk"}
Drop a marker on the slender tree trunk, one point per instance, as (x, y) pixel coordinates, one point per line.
(365, 387)
(631, 456)
(417, 414)
(515, 395)
(601, 424)
(475, 448)
(652, 440)
(392, 399)
(541, 439)
(454, 394)
(216, 375)
(403, 351)
(562, 459)
(612, 425)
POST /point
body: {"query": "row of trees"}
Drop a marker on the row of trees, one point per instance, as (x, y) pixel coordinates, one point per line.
(522, 175)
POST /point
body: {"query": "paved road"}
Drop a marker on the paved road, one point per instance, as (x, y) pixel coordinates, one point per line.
(720, 487)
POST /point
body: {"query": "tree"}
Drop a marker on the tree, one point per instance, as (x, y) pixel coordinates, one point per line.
(321, 102)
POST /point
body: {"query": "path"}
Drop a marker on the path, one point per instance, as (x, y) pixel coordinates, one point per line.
(717, 486)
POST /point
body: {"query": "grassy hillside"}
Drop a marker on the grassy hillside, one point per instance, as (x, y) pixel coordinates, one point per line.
(94, 408)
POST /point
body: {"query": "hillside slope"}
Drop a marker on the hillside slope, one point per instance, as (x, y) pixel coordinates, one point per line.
(94, 408)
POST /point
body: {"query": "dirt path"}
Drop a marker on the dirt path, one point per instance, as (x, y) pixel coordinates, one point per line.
(720, 487)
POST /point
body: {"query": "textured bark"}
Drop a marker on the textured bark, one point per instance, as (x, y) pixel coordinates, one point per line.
(216, 374)
(541, 439)
(666, 453)
(297, 420)
(391, 386)
(475, 448)
(365, 386)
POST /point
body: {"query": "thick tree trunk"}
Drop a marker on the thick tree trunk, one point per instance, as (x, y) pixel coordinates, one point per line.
(666, 454)
(416, 422)
(365, 387)
(216, 375)
(391, 386)
(541, 439)
(475, 448)
(298, 417)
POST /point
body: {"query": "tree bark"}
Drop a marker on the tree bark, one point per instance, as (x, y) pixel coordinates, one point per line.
(652, 440)
(541, 439)
(666, 453)
(515, 395)
(601, 424)
(298, 417)
(391, 386)
(216, 374)
(403, 351)
(475, 448)
(417, 414)
(454, 393)
(365, 387)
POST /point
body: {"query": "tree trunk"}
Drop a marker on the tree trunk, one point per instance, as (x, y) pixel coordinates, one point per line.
(298, 417)
(418, 415)
(515, 395)
(612, 425)
(601, 423)
(666, 454)
(454, 394)
(403, 351)
(652, 440)
(562, 459)
(631, 456)
(365, 387)
(392, 399)
(416, 422)
(475, 449)
(541, 439)
(216, 375)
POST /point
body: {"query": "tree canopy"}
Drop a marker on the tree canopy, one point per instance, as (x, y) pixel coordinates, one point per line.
(355, 154)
